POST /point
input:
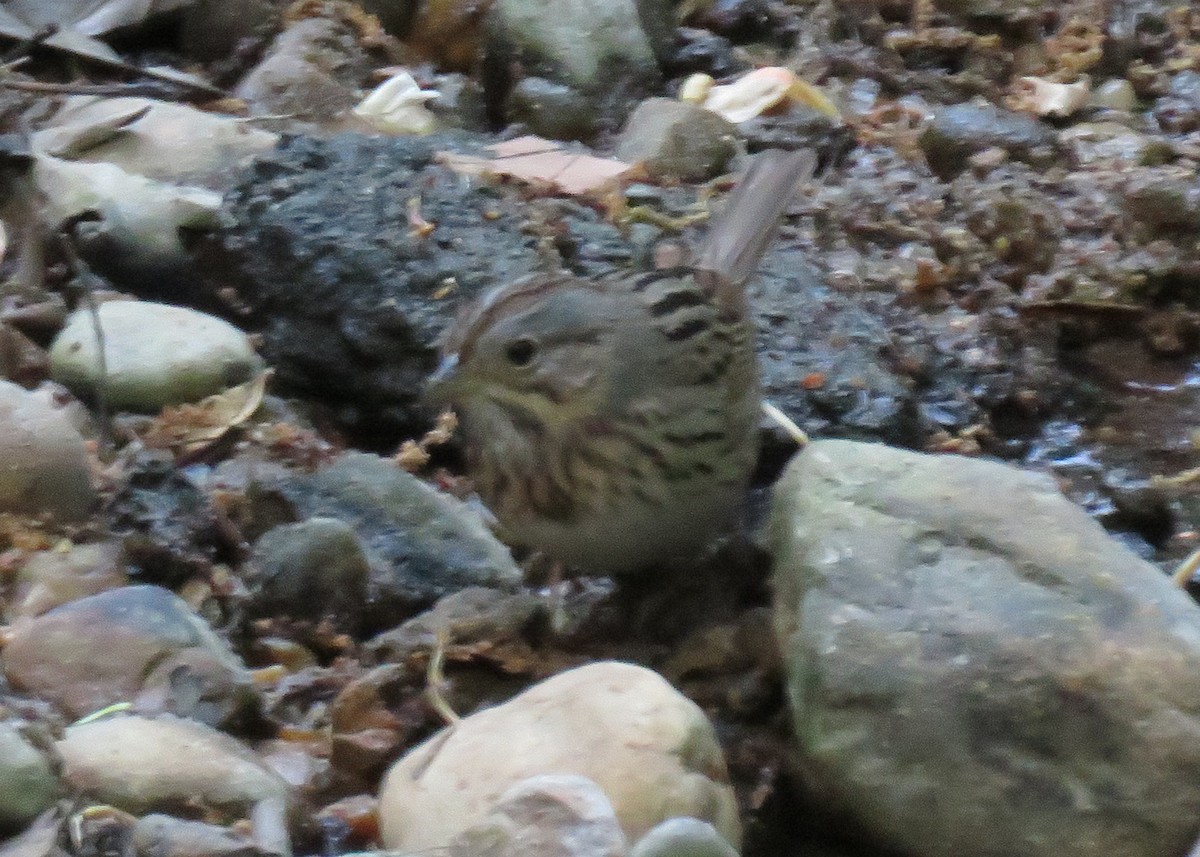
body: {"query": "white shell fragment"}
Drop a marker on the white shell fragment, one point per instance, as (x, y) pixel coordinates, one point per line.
(756, 92)
(1049, 98)
(397, 106)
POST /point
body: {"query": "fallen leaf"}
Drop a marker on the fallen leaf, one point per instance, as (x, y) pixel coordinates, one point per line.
(189, 429)
(538, 161)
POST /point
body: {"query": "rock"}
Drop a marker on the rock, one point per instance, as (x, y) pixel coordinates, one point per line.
(43, 460)
(310, 569)
(211, 29)
(473, 615)
(27, 781)
(157, 355)
(346, 316)
(50, 578)
(600, 50)
(311, 71)
(136, 643)
(649, 748)
(168, 142)
(553, 815)
(961, 130)
(421, 544)
(1115, 94)
(165, 836)
(551, 109)
(165, 764)
(972, 660)
(1178, 111)
(676, 140)
(683, 837)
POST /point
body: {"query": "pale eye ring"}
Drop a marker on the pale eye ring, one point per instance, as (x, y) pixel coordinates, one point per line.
(521, 351)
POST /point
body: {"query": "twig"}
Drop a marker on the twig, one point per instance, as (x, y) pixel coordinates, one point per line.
(435, 678)
(1187, 569)
(87, 282)
(785, 422)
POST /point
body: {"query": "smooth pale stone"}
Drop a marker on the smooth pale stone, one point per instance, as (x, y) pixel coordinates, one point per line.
(141, 765)
(43, 460)
(975, 667)
(157, 355)
(650, 749)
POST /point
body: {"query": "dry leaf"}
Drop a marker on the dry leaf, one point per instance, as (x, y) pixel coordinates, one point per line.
(189, 429)
(539, 161)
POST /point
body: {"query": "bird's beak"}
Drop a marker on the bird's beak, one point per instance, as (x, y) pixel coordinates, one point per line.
(440, 387)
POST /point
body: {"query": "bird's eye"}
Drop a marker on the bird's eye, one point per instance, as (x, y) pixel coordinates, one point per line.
(520, 352)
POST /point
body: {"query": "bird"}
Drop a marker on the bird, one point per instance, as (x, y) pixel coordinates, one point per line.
(612, 422)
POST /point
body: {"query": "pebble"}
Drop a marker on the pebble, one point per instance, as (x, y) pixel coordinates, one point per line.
(27, 781)
(166, 764)
(157, 355)
(651, 750)
(676, 140)
(139, 644)
(43, 459)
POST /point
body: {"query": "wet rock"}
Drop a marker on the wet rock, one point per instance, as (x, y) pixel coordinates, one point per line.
(211, 29)
(683, 837)
(600, 50)
(169, 529)
(1115, 94)
(165, 836)
(1011, 672)
(552, 109)
(43, 461)
(1178, 111)
(701, 51)
(552, 815)
(136, 643)
(961, 130)
(156, 355)
(309, 569)
(352, 306)
(311, 71)
(650, 749)
(473, 615)
(676, 140)
(1164, 199)
(50, 578)
(166, 764)
(421, 543)
(28, 784)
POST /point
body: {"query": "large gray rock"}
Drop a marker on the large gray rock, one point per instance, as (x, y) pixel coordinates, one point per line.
(975, 667)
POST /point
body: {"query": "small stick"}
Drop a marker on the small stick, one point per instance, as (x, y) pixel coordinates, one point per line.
(785, 422)
(87, 282)
(1187, 569)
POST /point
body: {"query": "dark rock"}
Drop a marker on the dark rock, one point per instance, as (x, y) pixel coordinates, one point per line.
(351, 306)
(421, 544)
(310, 569)
(959, 131)
(676, 140)
(704, 51)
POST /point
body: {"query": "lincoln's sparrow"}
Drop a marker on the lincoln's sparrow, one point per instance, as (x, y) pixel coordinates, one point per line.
(613, 423)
